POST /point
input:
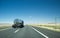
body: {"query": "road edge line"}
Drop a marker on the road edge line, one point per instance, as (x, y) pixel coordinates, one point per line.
(4, 29)
(40, 33)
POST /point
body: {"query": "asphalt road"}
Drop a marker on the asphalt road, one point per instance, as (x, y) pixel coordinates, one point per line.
(28, 32)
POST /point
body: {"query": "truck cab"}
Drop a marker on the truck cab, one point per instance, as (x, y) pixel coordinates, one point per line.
(18, 23)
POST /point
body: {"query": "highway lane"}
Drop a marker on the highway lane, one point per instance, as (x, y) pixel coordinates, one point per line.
(49, 33)
(7, 33)
(26, 32)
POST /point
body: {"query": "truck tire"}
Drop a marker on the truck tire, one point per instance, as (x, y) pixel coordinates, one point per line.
(13, 26)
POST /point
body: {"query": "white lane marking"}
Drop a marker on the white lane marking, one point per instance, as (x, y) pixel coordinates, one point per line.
(40, 33)
(4, 29)
(16, 31)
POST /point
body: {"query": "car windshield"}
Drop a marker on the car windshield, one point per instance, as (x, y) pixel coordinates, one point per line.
(29, 18)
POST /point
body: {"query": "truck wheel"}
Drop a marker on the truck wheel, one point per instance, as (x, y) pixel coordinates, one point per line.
(14, 26)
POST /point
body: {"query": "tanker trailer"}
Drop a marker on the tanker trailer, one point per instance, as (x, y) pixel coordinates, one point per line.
(18, 23)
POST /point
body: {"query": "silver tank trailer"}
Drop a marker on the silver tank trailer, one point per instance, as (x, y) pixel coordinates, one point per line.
(18, 23)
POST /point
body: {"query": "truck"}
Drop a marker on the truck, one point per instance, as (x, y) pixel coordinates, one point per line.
(18, 23)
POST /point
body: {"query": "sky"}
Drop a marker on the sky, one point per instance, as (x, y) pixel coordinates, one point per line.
(31, 11)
